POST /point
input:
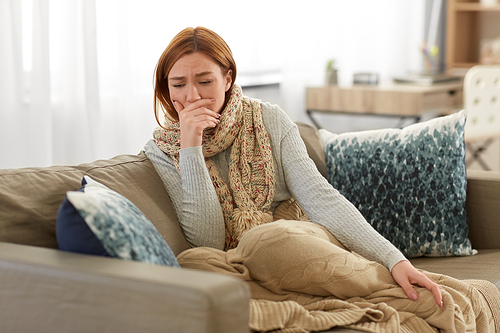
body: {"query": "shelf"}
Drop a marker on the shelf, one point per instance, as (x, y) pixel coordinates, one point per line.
(465, 64)
(468, 23)
(476, 7)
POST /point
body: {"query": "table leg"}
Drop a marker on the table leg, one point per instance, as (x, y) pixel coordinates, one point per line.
(315, 123)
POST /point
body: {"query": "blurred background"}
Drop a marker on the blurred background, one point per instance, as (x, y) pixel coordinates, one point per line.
(76, 76)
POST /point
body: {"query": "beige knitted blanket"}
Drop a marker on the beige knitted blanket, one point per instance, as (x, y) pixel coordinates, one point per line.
(303, 280)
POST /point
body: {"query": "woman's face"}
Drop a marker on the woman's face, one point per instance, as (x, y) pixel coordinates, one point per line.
(197, 76)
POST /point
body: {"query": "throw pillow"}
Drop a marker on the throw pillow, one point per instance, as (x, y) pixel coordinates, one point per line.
(409, 184)
(97, 220)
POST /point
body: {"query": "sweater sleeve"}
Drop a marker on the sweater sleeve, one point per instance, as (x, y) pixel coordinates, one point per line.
(193, 195)
(326, 206)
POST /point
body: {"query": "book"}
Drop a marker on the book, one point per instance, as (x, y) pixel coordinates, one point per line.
(427, 79)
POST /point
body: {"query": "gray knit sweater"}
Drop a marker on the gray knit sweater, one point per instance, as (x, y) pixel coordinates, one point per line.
(199, 213)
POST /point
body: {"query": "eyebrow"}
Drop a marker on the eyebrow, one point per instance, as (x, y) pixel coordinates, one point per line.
(179, 78)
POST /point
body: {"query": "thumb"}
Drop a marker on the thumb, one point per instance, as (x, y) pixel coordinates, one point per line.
(178, 106)
(409, 290)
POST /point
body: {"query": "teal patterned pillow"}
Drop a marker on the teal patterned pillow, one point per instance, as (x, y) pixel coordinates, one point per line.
(408, 183)
(122, 230)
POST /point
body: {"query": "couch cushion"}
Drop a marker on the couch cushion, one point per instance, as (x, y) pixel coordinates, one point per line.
(482, 266)
(120, 227)
(314, 147)
(135, 178)
(410, 183)
(30, 197)
(73, 234)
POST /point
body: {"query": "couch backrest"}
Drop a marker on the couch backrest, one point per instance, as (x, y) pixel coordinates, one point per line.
(314, 147)
(30, 198)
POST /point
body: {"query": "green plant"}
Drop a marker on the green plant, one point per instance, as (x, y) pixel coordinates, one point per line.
(331, 65)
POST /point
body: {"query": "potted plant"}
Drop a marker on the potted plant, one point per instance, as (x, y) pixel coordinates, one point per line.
(331, 72)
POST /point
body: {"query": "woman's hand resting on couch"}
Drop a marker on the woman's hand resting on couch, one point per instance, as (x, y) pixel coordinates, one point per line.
(406, 276)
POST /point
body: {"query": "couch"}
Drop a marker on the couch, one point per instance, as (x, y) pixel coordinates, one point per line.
(43, 289)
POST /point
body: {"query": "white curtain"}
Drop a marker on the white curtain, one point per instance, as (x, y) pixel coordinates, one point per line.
(76, 75)
(26, 120)
(59, 104)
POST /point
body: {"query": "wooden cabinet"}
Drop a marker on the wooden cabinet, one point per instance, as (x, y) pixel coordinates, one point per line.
(468, 22)
(391, 100)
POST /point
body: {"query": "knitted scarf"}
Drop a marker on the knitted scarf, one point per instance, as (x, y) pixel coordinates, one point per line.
(251, 166)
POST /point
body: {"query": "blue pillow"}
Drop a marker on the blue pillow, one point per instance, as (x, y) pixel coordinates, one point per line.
(409, 184)
(97, 220)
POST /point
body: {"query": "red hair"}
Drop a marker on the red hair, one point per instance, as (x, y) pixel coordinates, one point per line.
(189, 40)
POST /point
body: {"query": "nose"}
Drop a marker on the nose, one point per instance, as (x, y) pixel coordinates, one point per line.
(192, 94)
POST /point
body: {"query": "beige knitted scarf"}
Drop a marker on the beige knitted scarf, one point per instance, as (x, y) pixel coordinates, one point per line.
(251, 166)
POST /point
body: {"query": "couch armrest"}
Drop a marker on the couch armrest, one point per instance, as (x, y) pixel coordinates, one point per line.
(47, 290)
(483, 208)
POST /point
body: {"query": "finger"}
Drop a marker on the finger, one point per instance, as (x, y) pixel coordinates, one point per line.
(203, 118)
(212, 122)
(200, 107)
(197, 122)
(434, 288)
(200, 104)
(438, 296)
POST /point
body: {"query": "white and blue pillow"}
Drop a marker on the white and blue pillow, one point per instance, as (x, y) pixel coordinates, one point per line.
(97, 220)
(409, 184)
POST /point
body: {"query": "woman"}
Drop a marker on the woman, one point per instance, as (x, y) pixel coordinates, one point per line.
(218, 149)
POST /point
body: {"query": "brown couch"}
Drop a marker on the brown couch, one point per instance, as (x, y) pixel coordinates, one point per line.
(43, 289)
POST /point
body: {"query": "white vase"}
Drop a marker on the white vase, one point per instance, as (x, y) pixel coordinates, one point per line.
(331, 77)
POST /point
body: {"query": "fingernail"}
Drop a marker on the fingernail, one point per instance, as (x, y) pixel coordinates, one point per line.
(442, 304)
(413, 296)
(212, 100)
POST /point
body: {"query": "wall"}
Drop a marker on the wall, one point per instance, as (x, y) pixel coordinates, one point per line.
(295, 40)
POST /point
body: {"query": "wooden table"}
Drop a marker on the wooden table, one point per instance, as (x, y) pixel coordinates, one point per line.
(397, 100)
